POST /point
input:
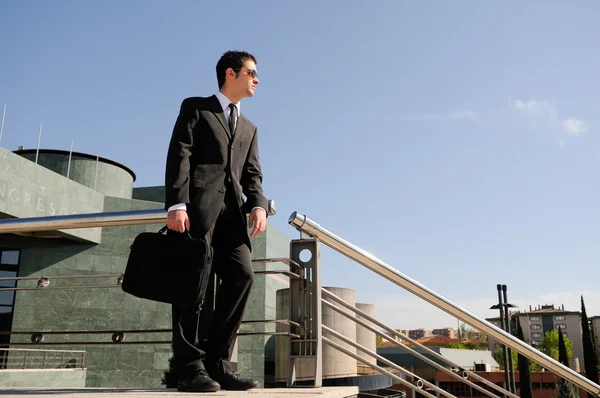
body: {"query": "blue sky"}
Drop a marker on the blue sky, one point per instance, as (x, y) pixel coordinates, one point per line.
(457, 142)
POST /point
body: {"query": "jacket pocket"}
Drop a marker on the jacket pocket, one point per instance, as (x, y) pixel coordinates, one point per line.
(197, 183)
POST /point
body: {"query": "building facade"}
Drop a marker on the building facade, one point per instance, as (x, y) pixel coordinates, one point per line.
(419, 333)
(125, 340)
(446, 332)
(537, 322)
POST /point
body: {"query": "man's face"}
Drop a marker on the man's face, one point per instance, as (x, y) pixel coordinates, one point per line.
(247, 79)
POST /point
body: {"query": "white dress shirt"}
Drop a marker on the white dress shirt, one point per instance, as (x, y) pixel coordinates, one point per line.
(224, 101)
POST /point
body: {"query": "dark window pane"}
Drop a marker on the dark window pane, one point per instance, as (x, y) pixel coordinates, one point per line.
(10, 257)
(6, 298)
(7, 274)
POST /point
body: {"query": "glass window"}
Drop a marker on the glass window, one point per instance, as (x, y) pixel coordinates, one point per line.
(534, 335)
(536, 327)
(6, 298)
(534, 318)
(559, 318)
(561, 326)
(9, 257)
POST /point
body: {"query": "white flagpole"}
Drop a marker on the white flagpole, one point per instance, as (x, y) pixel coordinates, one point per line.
(37, 151)
(2, 123)
(69, 164)
(96, 176)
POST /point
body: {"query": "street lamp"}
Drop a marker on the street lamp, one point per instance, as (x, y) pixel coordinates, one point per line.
(503, 306)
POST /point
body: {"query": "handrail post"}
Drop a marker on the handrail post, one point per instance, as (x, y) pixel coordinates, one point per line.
(317, 316)
(305, 308)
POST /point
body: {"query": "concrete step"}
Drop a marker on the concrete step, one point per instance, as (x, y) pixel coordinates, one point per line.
(300, 392)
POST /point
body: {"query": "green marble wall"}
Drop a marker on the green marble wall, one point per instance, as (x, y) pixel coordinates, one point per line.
(64, 378)
(93, 309)
(105, 177)
(29, 190)
(153, 194)
(256, 353)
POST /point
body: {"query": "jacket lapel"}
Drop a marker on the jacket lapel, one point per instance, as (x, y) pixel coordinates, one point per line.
(215, 106)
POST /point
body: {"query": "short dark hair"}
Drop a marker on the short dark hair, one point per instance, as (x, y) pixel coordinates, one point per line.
(234, 60)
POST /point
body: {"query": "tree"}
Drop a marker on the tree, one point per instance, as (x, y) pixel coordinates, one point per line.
(565, 388)
(499, 357)
(379, 342)
(467, 345)
(549, 345)
(465, 332)
(589, 350)
(526, 391)
(563, 357)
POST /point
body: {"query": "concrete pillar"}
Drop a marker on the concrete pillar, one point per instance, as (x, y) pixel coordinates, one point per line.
(282, 311)
(335, 363)
(364, 336)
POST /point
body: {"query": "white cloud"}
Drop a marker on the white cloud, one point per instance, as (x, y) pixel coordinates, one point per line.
(574, 126)
(534, 108)
(413, 313)
(527, 107)
(544, 114)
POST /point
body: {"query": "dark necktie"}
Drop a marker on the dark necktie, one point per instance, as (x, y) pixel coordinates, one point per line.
(232, 118)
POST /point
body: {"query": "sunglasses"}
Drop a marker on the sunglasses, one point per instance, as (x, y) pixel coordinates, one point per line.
(252, 73)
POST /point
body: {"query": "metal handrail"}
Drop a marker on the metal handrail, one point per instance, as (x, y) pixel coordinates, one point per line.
(34, 350)
(285, 322)
(91, 220)
(43, 281)
(389, 363)
(22, 365)
(461, 377)
(354, 355)
(312, 228)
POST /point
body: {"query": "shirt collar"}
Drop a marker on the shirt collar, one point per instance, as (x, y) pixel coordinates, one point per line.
(224, 101)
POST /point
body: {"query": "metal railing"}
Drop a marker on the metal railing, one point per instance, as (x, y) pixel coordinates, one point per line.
(20, 358)
(91, 220)
(305, 323)
(123, 218)
(309, 227)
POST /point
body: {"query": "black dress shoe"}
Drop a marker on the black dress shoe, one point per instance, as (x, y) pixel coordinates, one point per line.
(199, 382)
(231, 381)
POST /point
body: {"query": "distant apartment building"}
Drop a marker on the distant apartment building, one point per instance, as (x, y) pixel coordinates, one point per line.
(536, 323)
(419, 333)
(403, 332)
(446, 332)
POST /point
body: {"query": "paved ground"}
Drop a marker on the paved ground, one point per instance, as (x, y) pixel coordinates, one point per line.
(325, 392)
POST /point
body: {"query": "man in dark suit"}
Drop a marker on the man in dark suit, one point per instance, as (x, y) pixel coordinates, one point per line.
(212, 161)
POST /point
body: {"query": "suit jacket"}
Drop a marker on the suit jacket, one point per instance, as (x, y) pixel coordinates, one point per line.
(203, 157)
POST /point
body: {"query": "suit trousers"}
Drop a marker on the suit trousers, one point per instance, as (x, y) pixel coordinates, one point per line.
(202, 339)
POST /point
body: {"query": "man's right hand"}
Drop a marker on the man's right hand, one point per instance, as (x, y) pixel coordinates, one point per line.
(178, 221)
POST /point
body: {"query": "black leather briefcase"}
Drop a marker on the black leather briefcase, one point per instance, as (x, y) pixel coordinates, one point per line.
(170, 268)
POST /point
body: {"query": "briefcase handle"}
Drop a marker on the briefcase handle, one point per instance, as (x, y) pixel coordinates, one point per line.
(164, 229)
